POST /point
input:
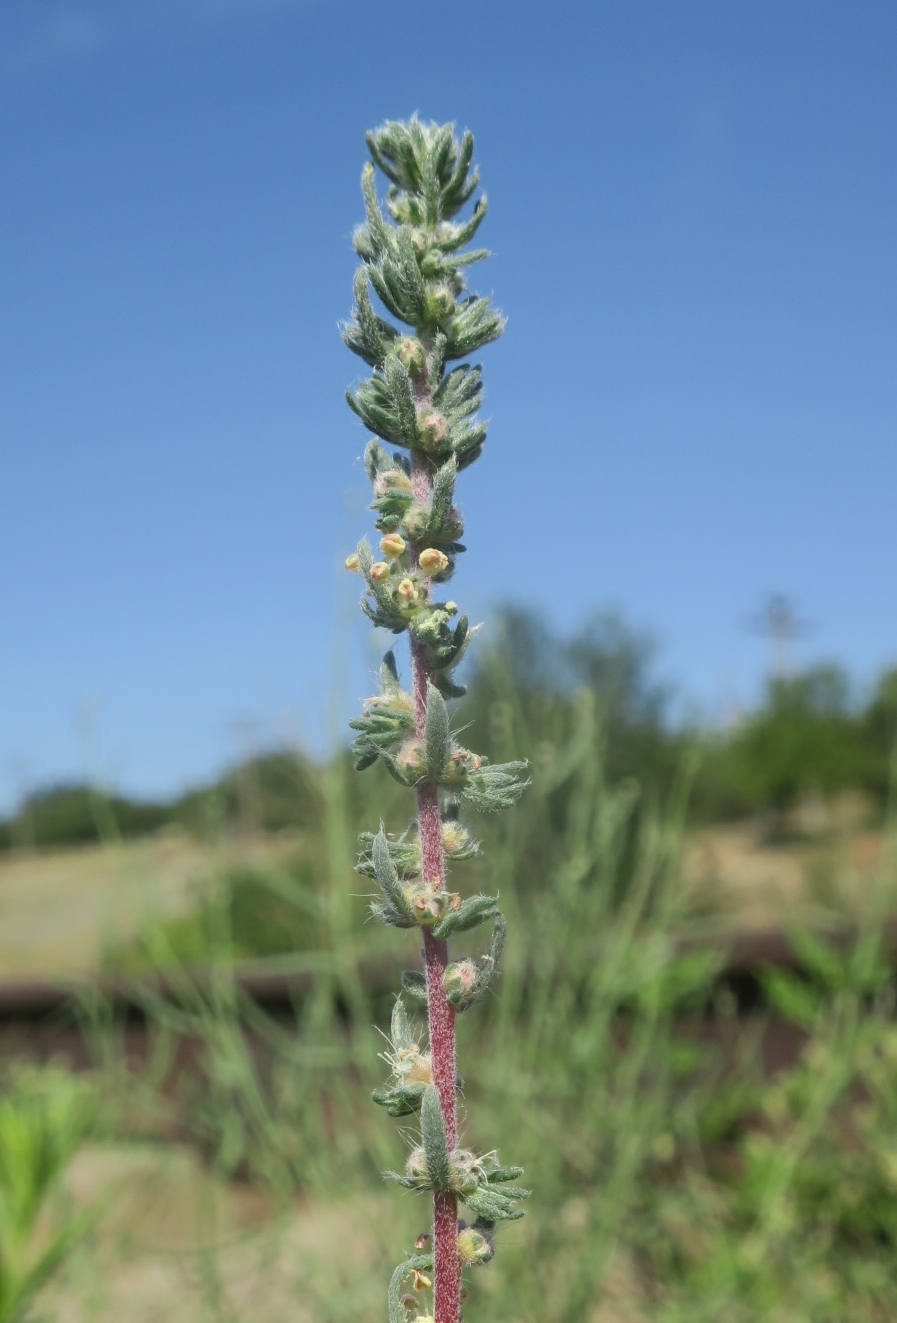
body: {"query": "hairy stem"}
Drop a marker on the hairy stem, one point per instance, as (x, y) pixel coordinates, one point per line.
(440, 1014)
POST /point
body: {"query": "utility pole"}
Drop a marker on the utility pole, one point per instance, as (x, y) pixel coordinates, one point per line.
(778, 621)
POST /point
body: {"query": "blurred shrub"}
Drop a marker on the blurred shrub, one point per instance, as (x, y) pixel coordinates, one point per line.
(268, 793)
(72, 814)
(525, 669)
(809, 735)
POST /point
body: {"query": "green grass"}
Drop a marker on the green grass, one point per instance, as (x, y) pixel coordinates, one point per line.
(670, 1184)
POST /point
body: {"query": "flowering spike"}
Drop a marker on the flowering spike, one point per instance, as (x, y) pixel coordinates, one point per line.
(414, 259)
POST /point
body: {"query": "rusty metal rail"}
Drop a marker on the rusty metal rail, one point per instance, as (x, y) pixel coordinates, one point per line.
(744, 957)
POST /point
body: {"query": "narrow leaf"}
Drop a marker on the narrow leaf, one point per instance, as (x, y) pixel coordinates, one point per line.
(433, 1135)
(437, 733)
(400, 1032)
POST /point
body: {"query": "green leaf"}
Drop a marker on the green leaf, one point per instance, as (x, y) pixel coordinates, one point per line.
(443, 494)
(818, 958)
(414, 984)
(497, 941)
(400, 1032)
(470, 914)
(461, 234)
(494, 786)
(376, 459)
(367, 334)
(500, 1174)
(376, 225)
(436, 733)
(400, 1099)
(473, 324)
(399, 382)
(447, 687)
(395, 910)
(397, 1313)
(389, 673)
(794, 999)
(433, 1134)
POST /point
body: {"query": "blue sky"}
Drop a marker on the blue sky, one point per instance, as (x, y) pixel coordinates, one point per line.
(693, 210)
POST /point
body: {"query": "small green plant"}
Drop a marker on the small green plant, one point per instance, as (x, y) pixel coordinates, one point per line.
(44, 1115)
(414, 260)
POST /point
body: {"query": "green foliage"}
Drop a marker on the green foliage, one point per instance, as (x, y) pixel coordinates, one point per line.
(806, 736)
(809, 734)
(44, 1116)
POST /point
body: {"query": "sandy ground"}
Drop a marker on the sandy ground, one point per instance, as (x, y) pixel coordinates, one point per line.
(177, 1246)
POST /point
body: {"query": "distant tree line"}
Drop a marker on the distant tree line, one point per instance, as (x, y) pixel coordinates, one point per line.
(810, 733)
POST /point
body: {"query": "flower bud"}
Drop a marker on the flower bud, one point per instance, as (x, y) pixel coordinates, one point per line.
(392, 545)
(412, 355)
(352, 563)
(465, 1171)
(411, 760)
(458, 766)
(474, 1247)
(440, 303)
(432, 429)
(432, 561)
(455, 838)
(391, 479)
(413, 1066)
(429, 901)
(396, 702)
(409, 592)
(380, 571)
(415, 521)
(459, 979)
(416, 1167)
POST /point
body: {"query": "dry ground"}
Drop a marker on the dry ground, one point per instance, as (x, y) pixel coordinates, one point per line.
(178, 1246)
(733, 872)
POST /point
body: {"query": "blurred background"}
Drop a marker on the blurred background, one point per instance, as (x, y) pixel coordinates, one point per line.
(680, 541)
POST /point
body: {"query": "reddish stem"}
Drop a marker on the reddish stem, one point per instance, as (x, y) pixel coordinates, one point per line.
(440, 1014)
